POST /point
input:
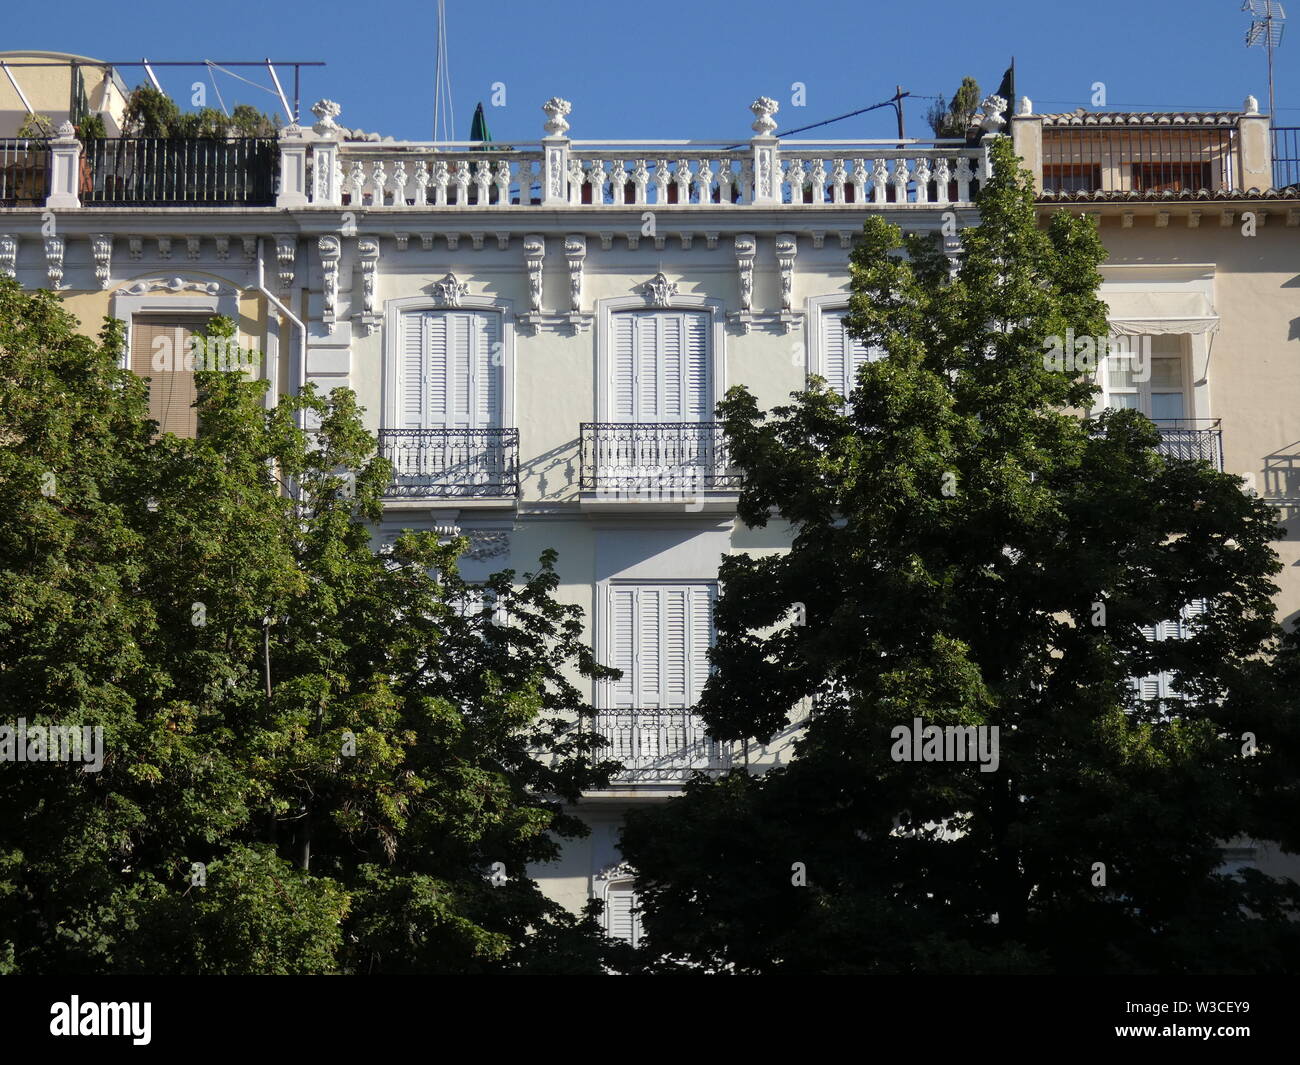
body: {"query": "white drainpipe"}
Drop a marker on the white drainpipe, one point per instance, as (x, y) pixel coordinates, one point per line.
(273, 369)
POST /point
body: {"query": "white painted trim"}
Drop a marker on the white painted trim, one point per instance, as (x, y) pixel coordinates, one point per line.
(393, 311)
(607, 308)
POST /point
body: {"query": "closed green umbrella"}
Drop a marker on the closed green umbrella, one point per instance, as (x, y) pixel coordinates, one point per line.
(478, 130)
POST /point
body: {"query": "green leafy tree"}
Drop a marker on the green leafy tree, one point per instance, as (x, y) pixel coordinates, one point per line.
(955, 119)
(317, 757)
(956, 530)
(152, 113)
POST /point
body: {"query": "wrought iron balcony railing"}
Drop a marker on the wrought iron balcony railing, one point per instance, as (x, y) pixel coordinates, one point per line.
(24, 172)
(660, 745)
(1154, 161)
(452, 463)
(158, 171)
(1192, 438)
(669, 459)
(1286, 156)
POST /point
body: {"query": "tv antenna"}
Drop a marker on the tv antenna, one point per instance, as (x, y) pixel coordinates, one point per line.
(444, 113)
(1268, 20)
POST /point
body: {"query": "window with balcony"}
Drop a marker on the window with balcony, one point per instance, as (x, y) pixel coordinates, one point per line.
(1151, 375)
(160, 350)
(449, 439)
(658, 437)
(658, 635)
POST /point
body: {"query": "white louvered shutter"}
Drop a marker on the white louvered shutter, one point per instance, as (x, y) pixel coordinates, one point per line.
(1159, 686)
(842, 354)
(695, 362)
(414, 375)
(621, 920)
(659, 638)
(659, 367)
(487, 366)
(449, 377)
(623, 367)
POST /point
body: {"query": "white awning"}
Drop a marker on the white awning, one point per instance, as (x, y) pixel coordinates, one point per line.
(1145, 312)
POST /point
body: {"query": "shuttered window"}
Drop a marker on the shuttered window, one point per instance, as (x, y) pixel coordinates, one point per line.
(841, 354)
(1158, 687)
(451, 375)
(660, 367)
(659, 637)
(621, 919)
(160, 348)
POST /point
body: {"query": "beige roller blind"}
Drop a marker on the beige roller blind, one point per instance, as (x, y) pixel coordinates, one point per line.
(159, 347)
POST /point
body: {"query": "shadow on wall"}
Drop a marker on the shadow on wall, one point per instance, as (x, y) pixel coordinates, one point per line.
(555, 472)
(1281, 487)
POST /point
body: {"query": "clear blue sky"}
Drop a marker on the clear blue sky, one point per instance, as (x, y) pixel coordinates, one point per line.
(686, 69)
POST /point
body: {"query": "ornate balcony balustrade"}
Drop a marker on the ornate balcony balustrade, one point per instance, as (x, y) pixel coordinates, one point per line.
(667, 460)
(322, 167)
(659, 745)
(452, 463)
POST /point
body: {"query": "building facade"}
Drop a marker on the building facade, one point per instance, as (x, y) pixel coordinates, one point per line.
(539, 333)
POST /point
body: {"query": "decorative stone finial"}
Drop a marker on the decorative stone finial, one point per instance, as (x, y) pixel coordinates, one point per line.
(1026, 106)
(1252, 105)
(556, 109)
(992, 120)
(326, 111)
(764, 108)
(67, 131)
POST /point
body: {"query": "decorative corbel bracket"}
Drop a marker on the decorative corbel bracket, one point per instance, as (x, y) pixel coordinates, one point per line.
(368, 253)
(787, 247)
(101, 247)
(575, 251)
(746, 249)
(8, 255)
(54, 247)
(286, 252)
(331, 251)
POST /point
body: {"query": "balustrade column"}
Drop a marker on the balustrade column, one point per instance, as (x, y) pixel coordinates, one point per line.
(555, 153)
(767, 154)
(65, 169)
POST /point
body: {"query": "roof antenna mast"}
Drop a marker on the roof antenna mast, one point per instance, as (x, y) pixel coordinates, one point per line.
(444, 113)
(1268, 20)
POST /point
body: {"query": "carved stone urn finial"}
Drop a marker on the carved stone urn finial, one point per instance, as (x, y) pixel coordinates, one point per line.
(764, 108)
(992, 120)
(1026, 105)
(1252, 105)
(67, 131)
(326, 111)
(556, 109)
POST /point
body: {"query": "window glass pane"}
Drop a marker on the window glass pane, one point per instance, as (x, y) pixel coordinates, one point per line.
(1166, 344)
(1166, 406)
(1123, 401)
(1166, 372)
(1121, 371)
